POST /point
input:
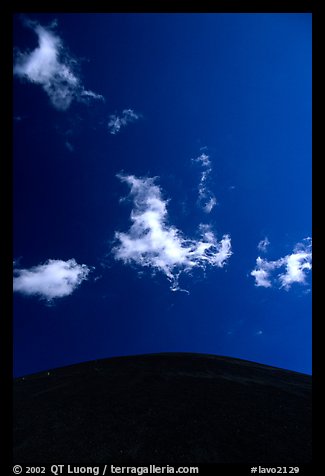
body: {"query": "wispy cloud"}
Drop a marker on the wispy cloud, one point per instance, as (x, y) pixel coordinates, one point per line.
(263, 269)
(51, 280)
(50, 66)
(206, 200)
(152, 242)
(69, 146)
(19, 118)
(296, 265)
(263, 245)
(116, 122)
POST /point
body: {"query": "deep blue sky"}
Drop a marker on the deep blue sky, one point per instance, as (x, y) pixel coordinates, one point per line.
(234, 86)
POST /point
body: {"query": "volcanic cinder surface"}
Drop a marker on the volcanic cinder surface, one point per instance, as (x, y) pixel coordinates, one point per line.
(172, 408)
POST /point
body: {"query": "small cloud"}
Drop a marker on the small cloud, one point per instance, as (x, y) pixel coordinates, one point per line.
(205, 161)
(19, 118)
(69, 146)
(206, 200)
(263, 270)
(50, 66)
(116, 122)
(296, 265)
(263, 245)
(152, 242)
(210, 204)
(91, 94)
(51, 280)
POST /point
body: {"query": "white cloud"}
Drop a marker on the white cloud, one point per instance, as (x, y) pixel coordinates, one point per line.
(152, 242)
(50, 66)
(263, 271)
(69, 146)
(206, 199)
(296, 264)
(116, 122)
(263, 245)
(210, 204)
(19, 118)
(51, 280)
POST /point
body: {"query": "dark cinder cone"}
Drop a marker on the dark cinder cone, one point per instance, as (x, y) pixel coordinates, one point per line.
(172, 408)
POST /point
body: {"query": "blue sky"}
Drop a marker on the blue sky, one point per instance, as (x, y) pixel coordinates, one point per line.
(162, 187)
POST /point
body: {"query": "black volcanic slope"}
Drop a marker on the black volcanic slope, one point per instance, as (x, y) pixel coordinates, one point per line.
(163, 409)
